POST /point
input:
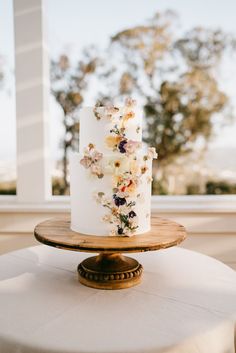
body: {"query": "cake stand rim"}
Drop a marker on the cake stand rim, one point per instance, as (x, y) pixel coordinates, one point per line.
(98, 244)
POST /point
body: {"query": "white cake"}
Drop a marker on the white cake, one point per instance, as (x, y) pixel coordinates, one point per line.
(110, 177)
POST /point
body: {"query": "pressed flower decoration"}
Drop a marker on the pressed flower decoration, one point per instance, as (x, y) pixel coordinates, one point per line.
(92, 160)
(121, 213)
(121, 206)
(127, 170)
(105, 112)
(117, 139)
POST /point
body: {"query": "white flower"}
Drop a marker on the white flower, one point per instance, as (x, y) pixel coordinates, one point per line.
(98, 196)
(129, 102)
(122, 194)
(152, 152)
(113, 233)
(128, 233)
(134, 222)
(107, 218)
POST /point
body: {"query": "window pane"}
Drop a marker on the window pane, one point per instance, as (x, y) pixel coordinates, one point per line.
(7, 101)
(178, 64)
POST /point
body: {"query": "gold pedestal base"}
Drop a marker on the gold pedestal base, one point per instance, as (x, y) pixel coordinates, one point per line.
(110, 271)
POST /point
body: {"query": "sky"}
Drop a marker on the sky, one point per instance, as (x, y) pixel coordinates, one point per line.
(73, 24)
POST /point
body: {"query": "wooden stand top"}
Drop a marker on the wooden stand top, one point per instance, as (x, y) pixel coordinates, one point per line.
(56, 232)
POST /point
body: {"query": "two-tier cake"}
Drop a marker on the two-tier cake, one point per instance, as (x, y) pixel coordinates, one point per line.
(111, 176)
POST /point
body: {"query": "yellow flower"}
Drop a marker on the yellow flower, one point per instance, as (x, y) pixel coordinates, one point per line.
(117, 180)
(91, 146)
(134, 168)
(144, 169)
(114, 211)
(131, 187)
(112, 141)
(149, 179)
(127, 116)
(117, 164)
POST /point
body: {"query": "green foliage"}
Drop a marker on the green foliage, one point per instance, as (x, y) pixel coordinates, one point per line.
(158, 187)
(203, 48)
(8, 188)
(69, 83)
(193, 189)
(58, 186)
(220, 188)
(181, 113)
(175, 78)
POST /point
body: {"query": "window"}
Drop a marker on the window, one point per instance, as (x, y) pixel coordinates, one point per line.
(7, 102)
(206, 164)
(187, 92)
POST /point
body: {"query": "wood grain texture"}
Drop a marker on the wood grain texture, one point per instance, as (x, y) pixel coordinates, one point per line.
(56, 232)
(110, 271)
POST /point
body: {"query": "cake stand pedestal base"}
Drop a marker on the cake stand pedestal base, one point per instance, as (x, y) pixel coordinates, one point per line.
(110, 271)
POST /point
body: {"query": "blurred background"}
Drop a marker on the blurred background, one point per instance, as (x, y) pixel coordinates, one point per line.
(176, 60)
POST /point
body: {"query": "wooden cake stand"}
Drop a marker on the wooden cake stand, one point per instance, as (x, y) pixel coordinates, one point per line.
(110, 269)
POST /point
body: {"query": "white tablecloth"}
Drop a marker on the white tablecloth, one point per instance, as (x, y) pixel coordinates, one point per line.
(186, 303)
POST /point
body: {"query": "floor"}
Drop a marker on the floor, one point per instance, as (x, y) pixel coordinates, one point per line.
(221, 247)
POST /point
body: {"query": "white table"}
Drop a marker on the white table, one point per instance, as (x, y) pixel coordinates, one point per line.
(186, 304)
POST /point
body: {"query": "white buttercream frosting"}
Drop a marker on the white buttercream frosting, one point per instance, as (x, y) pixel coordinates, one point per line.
(110, 177)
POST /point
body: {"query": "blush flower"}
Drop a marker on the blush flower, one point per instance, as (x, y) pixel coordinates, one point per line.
(113, 233)
(132, 146)
(96, 156)
(86, 161)
(92, 159)
(96, 170)
(129, 102)
(152, 153)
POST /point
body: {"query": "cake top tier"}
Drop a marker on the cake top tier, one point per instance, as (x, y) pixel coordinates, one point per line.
(111, 129)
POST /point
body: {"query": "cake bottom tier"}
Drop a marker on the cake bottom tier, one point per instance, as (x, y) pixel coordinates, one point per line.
(99, 208)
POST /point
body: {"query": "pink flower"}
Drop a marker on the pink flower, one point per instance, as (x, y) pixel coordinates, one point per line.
(96, 156)
(131, 146)
(96, 169)
(92, 160)
(86, 162)
(129, 102)
(111, 110)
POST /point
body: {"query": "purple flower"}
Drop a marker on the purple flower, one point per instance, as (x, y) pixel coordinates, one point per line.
(120, 230)
(132, 214)
(121, 146)
(119, 201)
